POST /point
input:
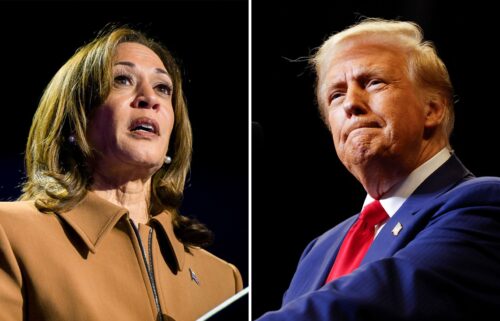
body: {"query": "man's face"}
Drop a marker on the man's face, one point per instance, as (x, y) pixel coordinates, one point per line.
(373, 108)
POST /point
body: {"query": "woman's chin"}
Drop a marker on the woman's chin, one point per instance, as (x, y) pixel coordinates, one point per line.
(147, 165)
(129, 165)
(140, 167)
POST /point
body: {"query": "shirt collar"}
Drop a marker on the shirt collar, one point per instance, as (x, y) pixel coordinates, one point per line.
(94, 217)
(393, 200)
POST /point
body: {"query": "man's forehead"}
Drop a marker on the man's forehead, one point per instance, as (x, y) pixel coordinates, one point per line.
(364, 58)
(360, 47)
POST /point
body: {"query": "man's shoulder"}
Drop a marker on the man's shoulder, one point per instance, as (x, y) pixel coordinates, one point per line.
(480, 188)
(473, 194)
(476, 182)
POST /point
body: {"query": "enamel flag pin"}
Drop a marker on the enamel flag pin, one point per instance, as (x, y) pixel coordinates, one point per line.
(194, 277)
(397, 229)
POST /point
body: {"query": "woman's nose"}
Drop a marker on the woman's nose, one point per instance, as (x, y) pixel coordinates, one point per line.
(146, 98)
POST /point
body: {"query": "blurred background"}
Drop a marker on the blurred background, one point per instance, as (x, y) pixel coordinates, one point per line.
(209, 40)
(299, 188)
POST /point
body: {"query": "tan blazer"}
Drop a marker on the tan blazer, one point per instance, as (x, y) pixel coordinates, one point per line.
(89, 264)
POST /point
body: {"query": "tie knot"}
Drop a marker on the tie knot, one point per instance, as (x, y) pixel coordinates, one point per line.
(373, 214)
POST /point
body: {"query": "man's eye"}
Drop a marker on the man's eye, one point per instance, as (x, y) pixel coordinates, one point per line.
(374, 82)
(336, 95)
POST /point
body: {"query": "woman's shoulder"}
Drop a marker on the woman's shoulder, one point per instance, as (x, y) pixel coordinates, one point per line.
(21, 213)
(17, 210)
(204, 255)
(216, 265)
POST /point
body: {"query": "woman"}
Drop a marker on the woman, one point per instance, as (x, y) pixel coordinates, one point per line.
(97, 234)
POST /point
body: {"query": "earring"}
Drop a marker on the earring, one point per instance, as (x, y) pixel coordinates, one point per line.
(167, 160)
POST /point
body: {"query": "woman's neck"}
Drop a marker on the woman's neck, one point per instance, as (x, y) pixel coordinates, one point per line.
(133, 195)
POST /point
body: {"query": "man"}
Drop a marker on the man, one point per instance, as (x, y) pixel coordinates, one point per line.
(426, 245)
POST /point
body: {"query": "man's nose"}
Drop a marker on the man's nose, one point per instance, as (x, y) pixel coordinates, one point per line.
(355, 101)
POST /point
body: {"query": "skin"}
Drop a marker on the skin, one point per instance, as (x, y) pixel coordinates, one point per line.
(126, 159)
(384, 125)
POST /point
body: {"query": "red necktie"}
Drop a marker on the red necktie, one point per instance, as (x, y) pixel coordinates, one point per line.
(358, 240)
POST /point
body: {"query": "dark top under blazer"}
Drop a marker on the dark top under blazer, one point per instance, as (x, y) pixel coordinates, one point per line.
(444, 264)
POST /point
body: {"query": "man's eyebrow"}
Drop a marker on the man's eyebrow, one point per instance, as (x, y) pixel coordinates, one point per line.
(372, 71)
(365, 73)
(132, 65)
(368, 72)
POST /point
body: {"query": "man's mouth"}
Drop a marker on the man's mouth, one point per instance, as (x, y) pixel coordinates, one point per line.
(361, 125)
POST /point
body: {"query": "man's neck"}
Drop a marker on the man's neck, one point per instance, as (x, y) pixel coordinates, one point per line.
(381, 176)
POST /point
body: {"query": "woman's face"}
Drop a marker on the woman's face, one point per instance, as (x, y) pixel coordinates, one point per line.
(131, 129)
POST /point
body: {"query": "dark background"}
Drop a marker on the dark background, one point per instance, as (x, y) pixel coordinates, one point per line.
(210, 40)
(299, 188)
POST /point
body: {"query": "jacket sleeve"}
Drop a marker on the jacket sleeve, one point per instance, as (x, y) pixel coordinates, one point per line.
(11, 298)
(449, 271)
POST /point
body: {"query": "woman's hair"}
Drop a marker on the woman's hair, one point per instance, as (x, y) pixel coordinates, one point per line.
(58, 174)
(424, 65)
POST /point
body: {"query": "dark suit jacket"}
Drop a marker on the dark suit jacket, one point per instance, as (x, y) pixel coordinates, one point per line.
(444, 264)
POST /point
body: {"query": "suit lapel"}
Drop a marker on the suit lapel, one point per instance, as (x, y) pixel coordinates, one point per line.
(451, 173)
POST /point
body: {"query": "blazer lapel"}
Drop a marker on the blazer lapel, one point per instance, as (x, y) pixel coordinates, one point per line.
(450, 174)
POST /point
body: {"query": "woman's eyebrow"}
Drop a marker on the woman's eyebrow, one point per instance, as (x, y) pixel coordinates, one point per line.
(132, 65)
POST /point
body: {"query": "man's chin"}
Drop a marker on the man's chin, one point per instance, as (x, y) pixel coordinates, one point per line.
(360, 155)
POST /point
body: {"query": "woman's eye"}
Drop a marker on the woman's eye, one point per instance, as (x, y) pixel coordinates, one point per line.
(123, 80)
(164, 89)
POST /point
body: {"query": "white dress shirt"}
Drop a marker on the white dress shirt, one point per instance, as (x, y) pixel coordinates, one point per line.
(392, 201)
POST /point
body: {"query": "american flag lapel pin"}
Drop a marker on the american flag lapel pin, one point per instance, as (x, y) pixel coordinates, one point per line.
(194, 277)
(397, 229)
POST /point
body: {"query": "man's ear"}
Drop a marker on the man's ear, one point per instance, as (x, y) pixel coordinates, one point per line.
(435, 110)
